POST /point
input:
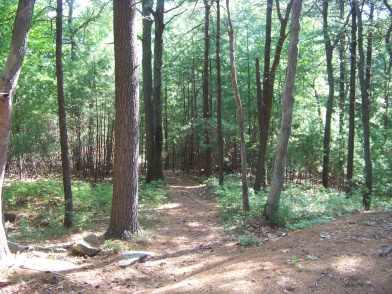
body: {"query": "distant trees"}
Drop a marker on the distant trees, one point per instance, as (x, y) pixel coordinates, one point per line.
(187, 111)
(8, 82)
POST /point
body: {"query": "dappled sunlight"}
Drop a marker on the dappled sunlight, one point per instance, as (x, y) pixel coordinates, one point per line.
(349, 264)
(44, 263)
(170, 205)
(188, 187)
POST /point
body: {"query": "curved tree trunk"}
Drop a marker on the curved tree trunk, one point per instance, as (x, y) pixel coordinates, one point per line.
(124, 214)
(287, 114)
(8, 83)
(265, 99)
(245, 196)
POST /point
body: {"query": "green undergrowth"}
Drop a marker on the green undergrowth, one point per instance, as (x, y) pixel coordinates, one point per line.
(40, 206)
(300, 206)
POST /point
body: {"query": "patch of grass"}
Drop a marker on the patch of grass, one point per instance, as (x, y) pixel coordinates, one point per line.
(112, 246)
(300, 206)
(249, 240)
(153, 194)
(42, 204)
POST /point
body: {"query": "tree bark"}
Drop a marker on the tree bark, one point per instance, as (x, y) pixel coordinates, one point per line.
(287, 114)
(351, 112)
(8, 83)
(342, 96)
(206, 98)
(147, 87)
(388, 42)
(219, 96)
(364, 70)
(124, 214)
(157, 91)
(68, 217)
(331, 94)
(245, 196)
(265, 99)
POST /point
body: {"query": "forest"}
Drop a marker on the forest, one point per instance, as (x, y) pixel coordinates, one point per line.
(272, 105)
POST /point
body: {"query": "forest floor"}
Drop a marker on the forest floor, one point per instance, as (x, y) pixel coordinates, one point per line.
(191, 253)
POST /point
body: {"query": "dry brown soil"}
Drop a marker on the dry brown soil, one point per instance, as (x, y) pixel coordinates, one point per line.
(191, 254)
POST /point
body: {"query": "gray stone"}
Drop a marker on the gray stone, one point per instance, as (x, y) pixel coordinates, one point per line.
(92, 240)
(130, 258)
(15, 247)
(84, 248)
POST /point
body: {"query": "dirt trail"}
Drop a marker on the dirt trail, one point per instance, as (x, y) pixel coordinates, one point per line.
(191, 254)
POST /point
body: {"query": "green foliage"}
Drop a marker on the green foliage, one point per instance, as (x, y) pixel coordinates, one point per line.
(300, 206)
(42, 204)
(153, 194)
(245, 241)
(229, 198)
(294, 260)
(112, 246)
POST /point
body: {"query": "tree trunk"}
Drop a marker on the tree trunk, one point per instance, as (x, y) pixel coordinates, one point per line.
(287, 113)
(206, 98)
(331, 93)
(265, 104)
(351, 112)
(388, 42)
(68, 202)
(219, 96)
(245, 196)
(8, 83)
(342, 97)
(364, 80)
(124, 213)
(157, 93)
(147, 87)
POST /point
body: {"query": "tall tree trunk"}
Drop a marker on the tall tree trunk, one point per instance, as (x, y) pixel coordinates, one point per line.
(219, 96)
(68, 202)
(331, 93)
(351, 112)
(157, 92)
(206, 98)
(388, 43)
(245, 196)
(364, 70)
(147, 87)
(124, 214)
(8, 83)
(287, 114)
(265, 104)
(342, 96)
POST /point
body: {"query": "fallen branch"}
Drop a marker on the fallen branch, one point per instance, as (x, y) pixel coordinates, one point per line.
(385, 252)
(322, 276)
